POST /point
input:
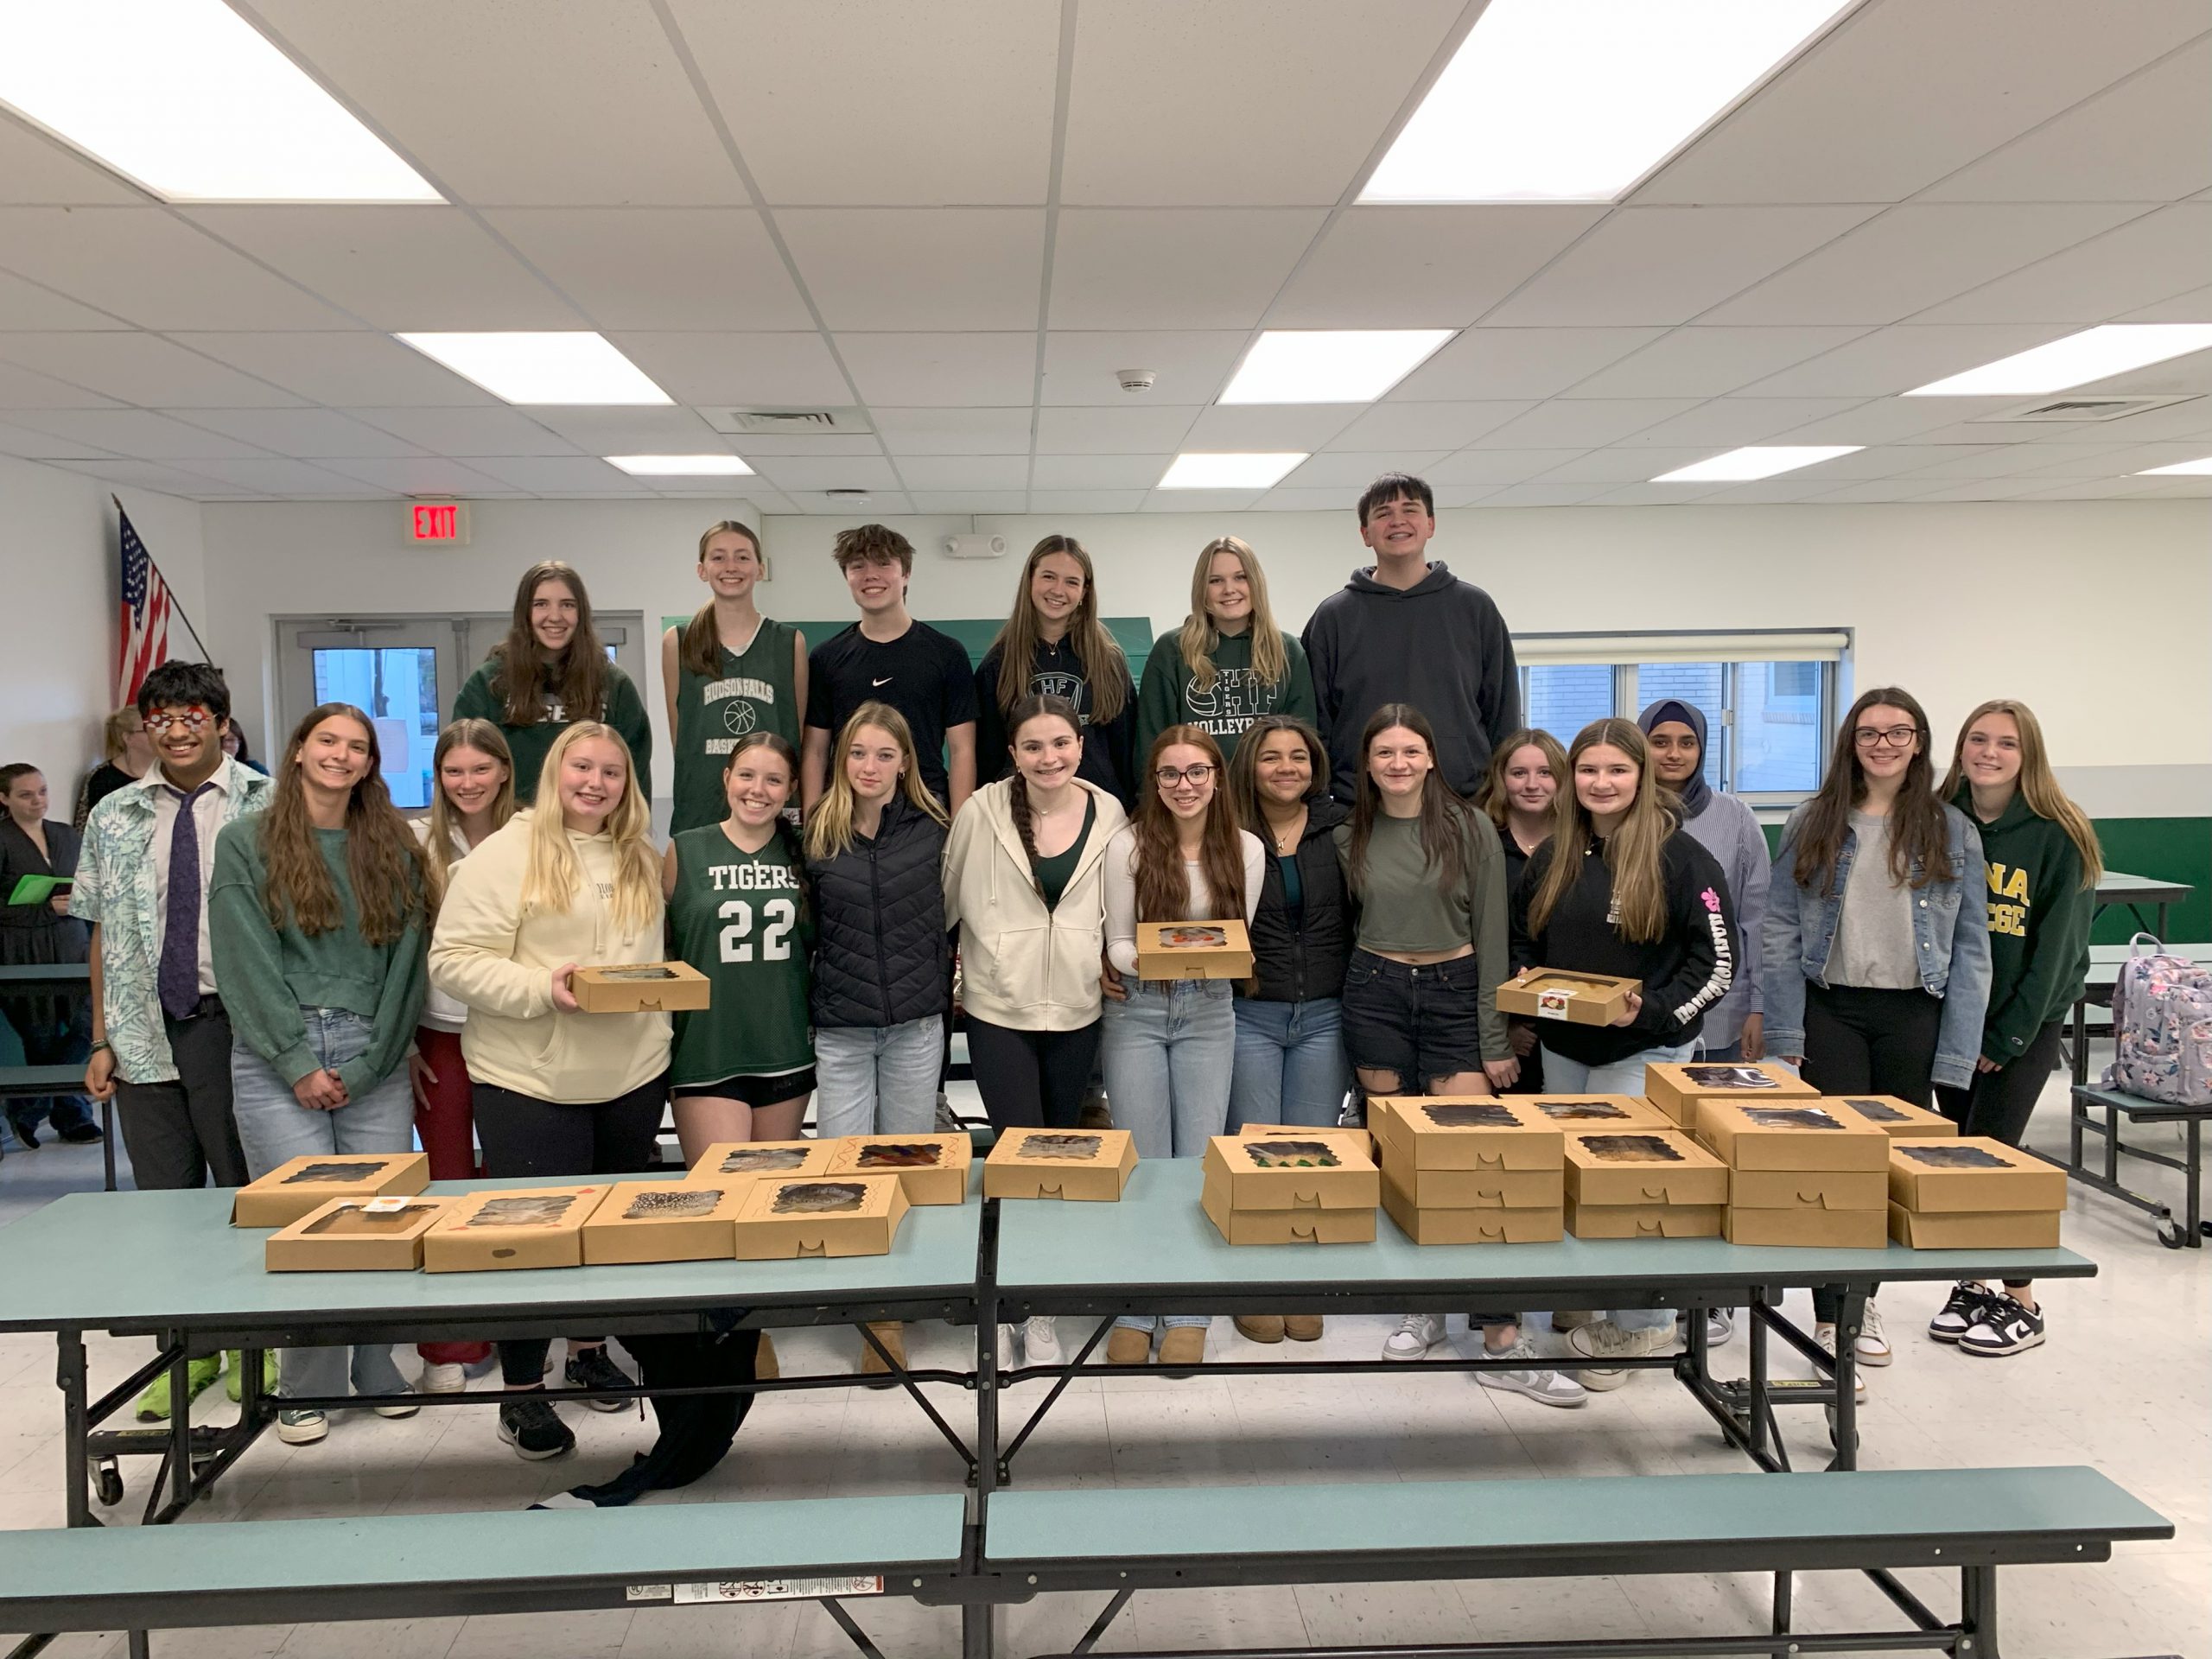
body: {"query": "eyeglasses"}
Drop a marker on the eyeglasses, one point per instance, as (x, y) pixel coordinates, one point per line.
(193, 719)
(1897, 737)
(1167, 777)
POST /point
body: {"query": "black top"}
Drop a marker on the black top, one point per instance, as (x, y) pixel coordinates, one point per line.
(923, 674)
(1301, 958)
(1108, 756)
(1054, 873)
(32, 933)
(106, 778)
(880, 954)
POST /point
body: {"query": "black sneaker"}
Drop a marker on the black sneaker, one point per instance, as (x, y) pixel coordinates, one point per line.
(81, 1135)
(1969, 1302)
(2005, 1327)
(591, 1369)
(535, 1430)
(26, 1130)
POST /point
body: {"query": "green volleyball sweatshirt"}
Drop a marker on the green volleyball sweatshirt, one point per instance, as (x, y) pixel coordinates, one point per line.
(2038, 923)
(1238, 697)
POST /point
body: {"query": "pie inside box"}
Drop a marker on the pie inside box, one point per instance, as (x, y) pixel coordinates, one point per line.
(671, 1220)
(933, 1168)
(1561, 993)
(511, 1227)
(1529, 1224)
(1086, 1164)
(1643, 1166)
(1676, 1089)
(1289, 1173)
(1644, 1220)
(1972, 1175)
(355, 1235)
(1359, 1140)
(1465, 1132)
(742, 1160)
(1790, 1135)
(1193, 950)
(300, 1187)
(786, 1216)
(639, 987)
(1572, 1112)
(1898, 1119)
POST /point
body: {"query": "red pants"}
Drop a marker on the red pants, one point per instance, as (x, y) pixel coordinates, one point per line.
(446, 1125)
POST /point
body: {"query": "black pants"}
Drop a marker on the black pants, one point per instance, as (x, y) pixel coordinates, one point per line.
(1031, 1079)
(695, 1430)
(1999, 1103)
(523, 1135)
(1868, 1042)
(181, 1132)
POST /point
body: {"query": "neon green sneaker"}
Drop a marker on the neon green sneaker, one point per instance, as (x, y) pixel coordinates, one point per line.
(200, 1376)
(234, 1376)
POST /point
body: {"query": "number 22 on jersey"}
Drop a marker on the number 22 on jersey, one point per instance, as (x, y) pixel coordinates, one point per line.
(778, 917)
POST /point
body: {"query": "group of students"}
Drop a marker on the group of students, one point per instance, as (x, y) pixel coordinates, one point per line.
(283, 964)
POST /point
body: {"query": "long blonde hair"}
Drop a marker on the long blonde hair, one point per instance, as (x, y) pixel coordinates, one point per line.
(466, 734)
(1200, 637)
(2037, 783)
(1104, 668)
(700, 651)
(1631, 852)
(554, 875)
(829, 831)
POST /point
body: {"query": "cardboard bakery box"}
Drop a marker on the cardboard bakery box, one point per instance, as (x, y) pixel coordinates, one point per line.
(674, 1219)
(1285, 1173)
(355, 1235)
(299, 1186)
(1080, 1164)
(1479, 1188)
(1465, 1132)
(1300, 1226)
(1532, 1225)
(1847, 1229)
(1790, 1135)
(1972, 1175)
(1193, 950)
(1675, 1088)
(1643, 1166)
(511, 1227)
(1359, 1139)
(838, 1214)
(1572, 1112)
(1808, 1189)
(2025, 1229)
(1561, 993)
(1643, 1220)
(744, 1161)
(639, 987)
(1898, 1119)
(933, 1168)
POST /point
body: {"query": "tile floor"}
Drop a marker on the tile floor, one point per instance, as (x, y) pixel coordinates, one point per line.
(2123, 1384)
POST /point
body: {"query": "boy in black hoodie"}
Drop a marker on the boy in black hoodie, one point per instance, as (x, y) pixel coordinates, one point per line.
(1406, 630)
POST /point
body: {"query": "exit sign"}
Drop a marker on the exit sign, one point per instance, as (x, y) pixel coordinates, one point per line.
(438, 524)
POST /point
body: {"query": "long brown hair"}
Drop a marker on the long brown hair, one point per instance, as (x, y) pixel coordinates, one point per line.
(466, 734)
(578, 677)
(1631, 852)
(785, 838)
(1201, 636)
(1245, 767)
(390, 877)
(2036, 784)
(1104, 668)
(701, 646)
(1017, 789)
(1918, 835)
(1163, 885)
(1445, 821)
(555, 875)
(1491, 797)
(829, 828)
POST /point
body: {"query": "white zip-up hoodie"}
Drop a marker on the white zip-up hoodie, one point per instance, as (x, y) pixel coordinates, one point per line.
(1021, 965)
(498, 959)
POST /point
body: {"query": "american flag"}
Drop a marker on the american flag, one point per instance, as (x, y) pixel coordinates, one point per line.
(146, 611)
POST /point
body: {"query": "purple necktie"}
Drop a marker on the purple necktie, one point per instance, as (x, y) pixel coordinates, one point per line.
(179, 973)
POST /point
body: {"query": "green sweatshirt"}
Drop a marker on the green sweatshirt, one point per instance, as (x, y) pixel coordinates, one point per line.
(268, 974)
(626, 713)
(2038, 923)
(1238, 697)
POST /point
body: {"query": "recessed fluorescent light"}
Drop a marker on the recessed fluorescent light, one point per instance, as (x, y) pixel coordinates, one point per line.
(2093, 355)
(681, 466)
(1575, 100)
(187, 98)
(1228, 472)
(1329, 365)
(1758, 461)
(2180, 469)
(534, 368)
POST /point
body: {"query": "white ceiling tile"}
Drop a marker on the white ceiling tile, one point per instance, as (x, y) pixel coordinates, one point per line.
(1885, 420)
(1463, 495)
(561, 475)
(1904, 92)
(1968, 461)
(271, 476)
(1164, 268)
(2189, 420)
(1424, 267)
(1346, 473)
(411, 268)
(1651, 495)
(1879, 461)
(1541, 495)
(146, 369)
(2056, 460)
(1726, 422)
(792, 370)
(1667, 264)
(2192, 307)
(152, 475)
(25, 305)
(1239, 101)
(1984, 489)
(1765, 491)
(916, 371)
(804, 443)
(953, 431)
(925, 472)
(1623, 465)
(2191, 376)
(494, 430)
(895, 138)
(660, 268)
(1583, 422)
(559, 103)
(141, 434)
(1189, 366)
(1282, 499)
(1427, 426)
(1273, 427)
(1201, 500)
(1914, 256)
(21, 389)
(599, 431)
(884, 504)
(1489, 363)
(339, 369)
(1498, 467)
(45, 446)
(429, 476)
(146, 265)
(945, 268)
(1878, 490)
(306, 433)
(794, 473)
(36, 170)
(1996, 434)
(1113, 431)
(1098, 471)
(968, 500)
(1890, 361)
(1699, 362)
(1084, 501)
(2148, 259)
(2097, 489)
(2140, 457)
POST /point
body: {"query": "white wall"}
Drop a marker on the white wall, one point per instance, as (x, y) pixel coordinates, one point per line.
(59, 566)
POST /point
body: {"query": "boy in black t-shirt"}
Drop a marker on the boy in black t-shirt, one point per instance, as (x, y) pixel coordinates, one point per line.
(887, 657)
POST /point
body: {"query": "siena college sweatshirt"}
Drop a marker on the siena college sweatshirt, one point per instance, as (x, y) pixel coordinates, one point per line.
(2039, 917)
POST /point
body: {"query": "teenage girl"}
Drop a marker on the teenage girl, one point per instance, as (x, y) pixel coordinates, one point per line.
(1519, 787)
(1058, 648)
(1229, 665)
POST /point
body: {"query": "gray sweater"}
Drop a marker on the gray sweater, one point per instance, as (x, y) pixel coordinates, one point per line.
(1730, 831)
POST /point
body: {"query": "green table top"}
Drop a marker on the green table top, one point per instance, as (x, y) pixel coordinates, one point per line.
(1157, 1237)
(137, 1261)
(2117, 887)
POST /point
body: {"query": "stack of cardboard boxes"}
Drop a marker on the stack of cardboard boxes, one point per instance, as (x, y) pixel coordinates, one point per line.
(1643, 1181)
(1679, 1090)
(1315, 1188)
(1471, 1171)
(1799, 1173)
(1973, 1193)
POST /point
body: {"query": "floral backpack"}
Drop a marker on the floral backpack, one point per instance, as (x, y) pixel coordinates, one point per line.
(2162, 1027)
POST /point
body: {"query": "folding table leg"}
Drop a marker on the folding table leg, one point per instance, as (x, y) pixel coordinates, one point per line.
(1781, 1598)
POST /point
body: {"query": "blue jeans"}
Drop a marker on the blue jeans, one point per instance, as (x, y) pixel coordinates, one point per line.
(877, 1079)
(1566, 1077)
(1290, 1063)
(273, 1127)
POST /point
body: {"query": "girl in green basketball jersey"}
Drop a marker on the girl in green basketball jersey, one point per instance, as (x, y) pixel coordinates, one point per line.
(731, 671)
(743, 1066)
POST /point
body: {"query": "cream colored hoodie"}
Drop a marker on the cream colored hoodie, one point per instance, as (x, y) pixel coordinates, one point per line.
(1021, 965)
(488, 954)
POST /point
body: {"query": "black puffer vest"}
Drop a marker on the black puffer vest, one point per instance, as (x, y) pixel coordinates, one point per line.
(1305, 963)
(882, 958)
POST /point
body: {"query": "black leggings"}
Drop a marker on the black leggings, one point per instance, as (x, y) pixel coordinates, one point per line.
(1868, 1042)
(1031, 1079)
(1999, 1103)
(523, 1135)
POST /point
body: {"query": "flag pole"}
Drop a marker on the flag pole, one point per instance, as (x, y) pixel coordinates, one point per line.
(206, 656)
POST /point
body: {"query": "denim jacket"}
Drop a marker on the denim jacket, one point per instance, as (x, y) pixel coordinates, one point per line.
(1952, 940)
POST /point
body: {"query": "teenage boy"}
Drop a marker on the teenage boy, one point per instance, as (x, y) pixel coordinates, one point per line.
(1406, 630)
(161, 1039)
(887, 657)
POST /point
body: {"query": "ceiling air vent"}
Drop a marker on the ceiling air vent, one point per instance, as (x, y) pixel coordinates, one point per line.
(2070, 409)
(789, 423)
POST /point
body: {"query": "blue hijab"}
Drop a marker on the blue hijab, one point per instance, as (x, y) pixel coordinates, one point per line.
(1695, 792)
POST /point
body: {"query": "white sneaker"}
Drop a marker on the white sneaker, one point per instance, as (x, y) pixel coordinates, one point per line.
(1040, 1341)
(1720, 1326)
(1872, 1347)
(1825, 1335)
(1601, 1339)
(399, 1408)
(1006, 1347)
(441, 1378)
(1546, 1388)
(1416, 1334)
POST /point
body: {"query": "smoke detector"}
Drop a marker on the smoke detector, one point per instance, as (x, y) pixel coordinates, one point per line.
(1136, 379)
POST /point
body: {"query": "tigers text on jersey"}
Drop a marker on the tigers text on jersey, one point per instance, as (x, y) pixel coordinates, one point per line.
(740, 919)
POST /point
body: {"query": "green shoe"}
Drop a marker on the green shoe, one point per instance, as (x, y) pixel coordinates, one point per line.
(200, 1376)
(234, 1377)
